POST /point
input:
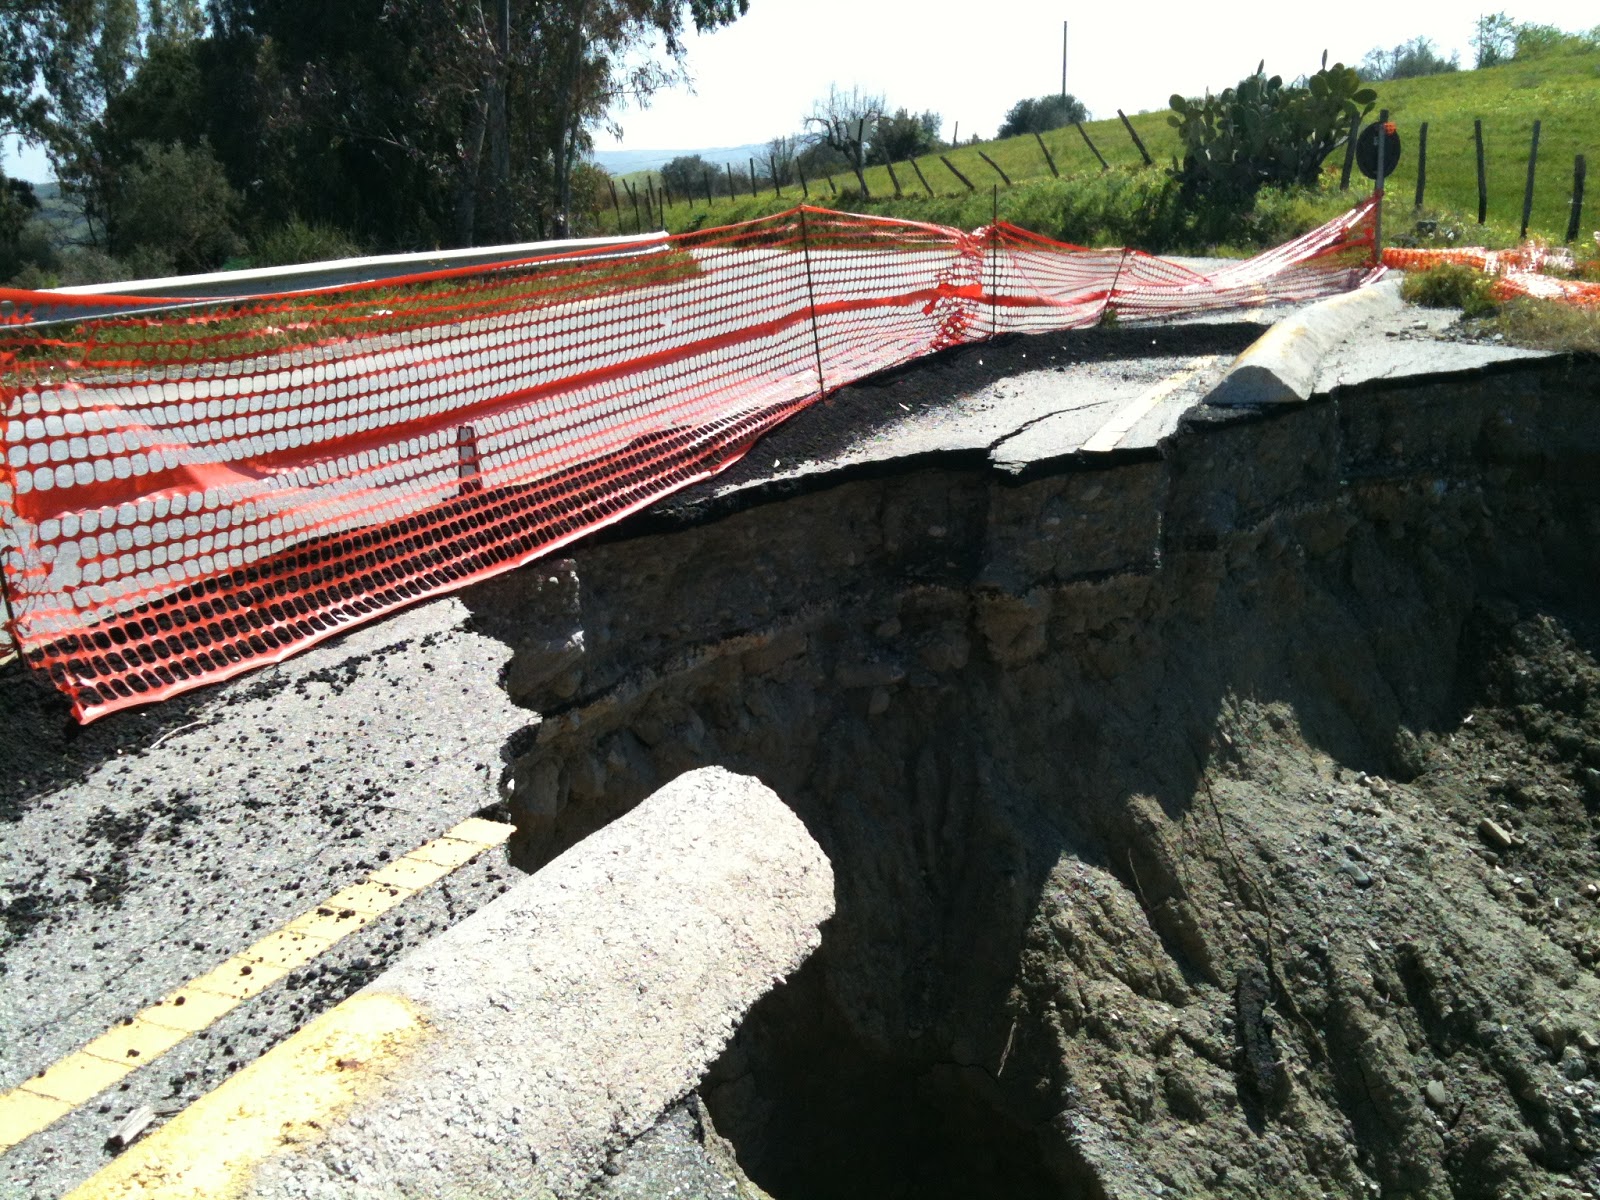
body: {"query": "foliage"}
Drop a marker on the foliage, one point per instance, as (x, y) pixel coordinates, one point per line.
(781, 152)
(1549, 325)
(1042, 114)
(176, 202)
(18, 204)
(1261, 132)
(296, 242)
(1408, 60)
(686, 174)
(407, 123)
(1494, 39)
(1450, 285)
(902, 135)
(1541, 41)
(842, 122)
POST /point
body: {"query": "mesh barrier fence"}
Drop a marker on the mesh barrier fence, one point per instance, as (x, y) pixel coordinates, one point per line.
(191, 492)
(1525, 271)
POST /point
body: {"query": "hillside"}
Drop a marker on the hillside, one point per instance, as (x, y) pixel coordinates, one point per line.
(1562, 92)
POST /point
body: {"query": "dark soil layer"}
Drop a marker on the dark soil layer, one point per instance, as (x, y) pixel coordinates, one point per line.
(1225, 825)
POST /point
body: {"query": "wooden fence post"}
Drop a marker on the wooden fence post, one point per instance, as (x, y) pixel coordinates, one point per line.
(705, 178)
(1483, 180)
(805, 192)
(831, 186)
(1104, 166)
(633, 194)
(923, 178)
(1422, 164)
(957, 173)
(893, 178)
(1349, 155)
(1134, 134)
(996, 167)
(1527, 195)
(752, 179)
(1580, 168)
(1050, 162)
(612, 185)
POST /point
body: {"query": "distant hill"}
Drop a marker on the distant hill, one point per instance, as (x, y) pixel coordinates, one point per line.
(66, 223)
(623, 162)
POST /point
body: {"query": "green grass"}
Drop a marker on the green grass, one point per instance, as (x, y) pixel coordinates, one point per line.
(1547, 325)
(1562, 91)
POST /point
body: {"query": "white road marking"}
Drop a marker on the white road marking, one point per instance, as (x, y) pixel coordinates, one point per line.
(1110, 435)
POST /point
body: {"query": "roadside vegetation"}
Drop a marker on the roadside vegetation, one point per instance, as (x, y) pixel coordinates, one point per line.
(1524, 73)
(1520, 321)
(182, 147)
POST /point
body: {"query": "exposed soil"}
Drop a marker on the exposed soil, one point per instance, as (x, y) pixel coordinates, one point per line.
(1219, 826)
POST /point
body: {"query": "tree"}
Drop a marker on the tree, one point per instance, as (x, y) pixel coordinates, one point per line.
(685, 175)
(781, 154)
(1043, 114)
(175, 201)
(1494, 39)
(843, 121)
(904, 135)
(1408, 60)
(18, 205)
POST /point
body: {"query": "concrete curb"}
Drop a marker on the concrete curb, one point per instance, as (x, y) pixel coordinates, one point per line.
(513, 1054)
(1281, 366)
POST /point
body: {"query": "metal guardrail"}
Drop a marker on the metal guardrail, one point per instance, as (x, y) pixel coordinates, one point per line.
(311, 277)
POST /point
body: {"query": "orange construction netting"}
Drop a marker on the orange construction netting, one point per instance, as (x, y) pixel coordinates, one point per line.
(1524, 271)
(190, 491)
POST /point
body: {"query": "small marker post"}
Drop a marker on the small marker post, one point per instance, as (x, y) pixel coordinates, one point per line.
(1377, 220)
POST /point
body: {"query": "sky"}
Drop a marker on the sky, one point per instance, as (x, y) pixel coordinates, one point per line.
(757, 78)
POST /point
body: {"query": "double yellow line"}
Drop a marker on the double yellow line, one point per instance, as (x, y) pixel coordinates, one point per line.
(79, 1077)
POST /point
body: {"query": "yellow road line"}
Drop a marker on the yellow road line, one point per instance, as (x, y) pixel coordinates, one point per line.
(1110, 435)
(288, 1096)
(76, 1079)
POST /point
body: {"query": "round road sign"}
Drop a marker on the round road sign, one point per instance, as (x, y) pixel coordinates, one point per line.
(1367, 149)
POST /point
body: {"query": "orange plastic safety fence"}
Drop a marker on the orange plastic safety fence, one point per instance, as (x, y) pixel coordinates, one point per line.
(190, 492)
(1519, 272)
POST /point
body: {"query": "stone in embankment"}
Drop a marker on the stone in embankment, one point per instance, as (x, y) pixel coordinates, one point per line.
(516, 1053)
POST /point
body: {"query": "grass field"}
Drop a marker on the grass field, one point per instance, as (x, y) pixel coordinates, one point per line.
(1562, 91)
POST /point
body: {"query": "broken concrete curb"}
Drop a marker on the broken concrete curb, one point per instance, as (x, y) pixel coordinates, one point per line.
(514, 1054)
(1281, 366)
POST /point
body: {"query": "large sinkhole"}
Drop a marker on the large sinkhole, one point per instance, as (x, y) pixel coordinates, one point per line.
(1116, 771)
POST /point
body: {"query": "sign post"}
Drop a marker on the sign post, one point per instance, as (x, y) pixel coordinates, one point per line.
(1377, 154)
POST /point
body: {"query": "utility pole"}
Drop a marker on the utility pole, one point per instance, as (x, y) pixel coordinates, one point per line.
(1063, 60)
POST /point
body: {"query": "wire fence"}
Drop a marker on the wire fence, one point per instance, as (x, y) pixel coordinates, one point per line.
(189, 494)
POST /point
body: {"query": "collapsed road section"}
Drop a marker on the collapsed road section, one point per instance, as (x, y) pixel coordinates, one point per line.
(1216, 812)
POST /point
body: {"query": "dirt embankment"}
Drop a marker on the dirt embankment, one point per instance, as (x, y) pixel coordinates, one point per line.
(1219, 825)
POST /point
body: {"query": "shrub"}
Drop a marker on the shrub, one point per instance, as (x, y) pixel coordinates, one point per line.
(1043, 114)
(902, 135)
(1541, 41)
(297, 242)
(1262, 132)
(175, 203)
(1451, 285)
(1408, 60)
